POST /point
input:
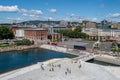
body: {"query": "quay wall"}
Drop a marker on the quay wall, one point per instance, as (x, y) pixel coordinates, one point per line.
(57, 48)
(82, 55)
(15, 48)
(108, 59)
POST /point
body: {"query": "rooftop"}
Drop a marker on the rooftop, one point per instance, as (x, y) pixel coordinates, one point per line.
(34, 29)
(60, 69)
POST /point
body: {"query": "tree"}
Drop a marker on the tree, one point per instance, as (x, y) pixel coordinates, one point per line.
(113, 50)
(118, 51)
(32, 42)
(24, 42)
(74, 34)
(78, 29)
(6, 33)
(114, 45)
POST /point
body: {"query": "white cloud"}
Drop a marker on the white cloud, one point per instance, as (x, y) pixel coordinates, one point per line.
(72, 19)
(11, 20)
(9, 8)
(36, 12)
(17, 19)
(116, 15)
(24, 10)
(51, 18)
(32, 15)
(53, 10)
(94, 19)
(24, 14)
(72, 14)
(78, 19)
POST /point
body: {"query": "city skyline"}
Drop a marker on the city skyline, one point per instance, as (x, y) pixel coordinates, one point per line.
(69, 10)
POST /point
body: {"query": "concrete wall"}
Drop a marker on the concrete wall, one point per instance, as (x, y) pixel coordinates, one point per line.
(54, 48)
(107, 59)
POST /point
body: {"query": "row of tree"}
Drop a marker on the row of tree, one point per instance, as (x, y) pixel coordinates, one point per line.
(6, 33)
(23, 42)
(76, 33)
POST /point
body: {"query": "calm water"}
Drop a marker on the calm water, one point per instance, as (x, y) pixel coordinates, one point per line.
(17, 59)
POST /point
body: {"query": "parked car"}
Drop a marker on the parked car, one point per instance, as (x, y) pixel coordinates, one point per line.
(54, 43)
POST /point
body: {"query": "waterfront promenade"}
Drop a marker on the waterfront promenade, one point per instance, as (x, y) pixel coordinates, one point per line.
(60, 69)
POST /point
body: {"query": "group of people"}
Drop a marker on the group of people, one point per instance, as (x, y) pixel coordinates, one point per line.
(67, 71)
(51, 65)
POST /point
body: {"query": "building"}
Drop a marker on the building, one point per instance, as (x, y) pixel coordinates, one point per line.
(19, 34)
(38, 35)
(104, 22)
(115, 25)
(104, 34)
(63, 23)
(14, 28)
(53, 32)
(56, 36)
(91, 25)
(84, 23)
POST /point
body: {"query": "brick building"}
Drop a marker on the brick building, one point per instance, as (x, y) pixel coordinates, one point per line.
(14, 28)
(38, 35)
(56, 37)
(91, 25)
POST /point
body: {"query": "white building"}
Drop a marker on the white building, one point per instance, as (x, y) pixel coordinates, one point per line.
(19, 33)
(111, 33)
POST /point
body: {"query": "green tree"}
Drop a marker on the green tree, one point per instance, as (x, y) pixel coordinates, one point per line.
(74, 34)
(118, 51)
(113, 50)
(24, 42)
(32, 42)
(78, 29)
(114, 45)
(6, 33)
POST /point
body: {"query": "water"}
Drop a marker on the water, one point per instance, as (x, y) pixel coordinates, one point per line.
(17, 59)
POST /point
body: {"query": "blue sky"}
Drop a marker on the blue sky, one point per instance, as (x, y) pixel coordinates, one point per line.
(70, 10)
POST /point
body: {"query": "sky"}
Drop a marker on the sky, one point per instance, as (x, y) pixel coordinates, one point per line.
(68, 10)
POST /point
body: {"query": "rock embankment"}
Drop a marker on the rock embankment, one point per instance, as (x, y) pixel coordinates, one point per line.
(14, 48)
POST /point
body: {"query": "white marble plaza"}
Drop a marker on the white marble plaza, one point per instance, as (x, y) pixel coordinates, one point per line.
(61, 69)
